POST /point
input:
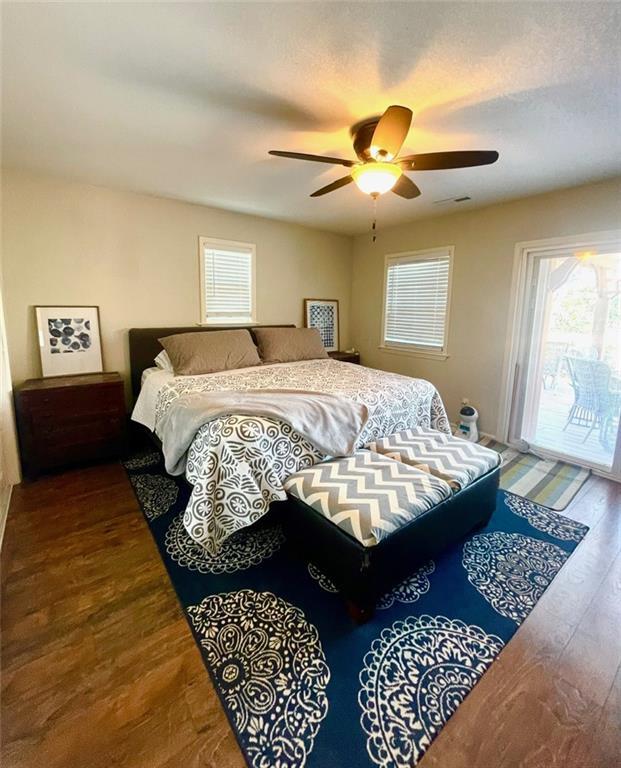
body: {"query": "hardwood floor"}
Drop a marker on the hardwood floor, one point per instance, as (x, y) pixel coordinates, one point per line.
(99, 667)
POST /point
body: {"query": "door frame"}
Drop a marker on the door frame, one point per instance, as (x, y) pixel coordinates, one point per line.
(517, 327)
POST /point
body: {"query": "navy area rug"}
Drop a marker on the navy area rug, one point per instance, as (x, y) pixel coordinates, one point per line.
(301, 684)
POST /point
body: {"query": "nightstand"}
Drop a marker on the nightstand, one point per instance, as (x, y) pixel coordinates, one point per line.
(346, 357)
(66, 420)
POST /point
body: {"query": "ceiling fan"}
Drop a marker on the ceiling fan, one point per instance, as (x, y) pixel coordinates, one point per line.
(377, 143)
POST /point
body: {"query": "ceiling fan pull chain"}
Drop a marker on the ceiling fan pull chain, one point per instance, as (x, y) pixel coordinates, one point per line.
(374, 226)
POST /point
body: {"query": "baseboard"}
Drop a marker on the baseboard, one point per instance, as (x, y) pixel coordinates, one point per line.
(5, 501)
(453, 426)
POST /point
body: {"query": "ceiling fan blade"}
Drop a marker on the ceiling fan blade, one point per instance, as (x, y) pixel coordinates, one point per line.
(313, 158)
(441, 161)
(406, 188)
(390, 133)
(331, 187)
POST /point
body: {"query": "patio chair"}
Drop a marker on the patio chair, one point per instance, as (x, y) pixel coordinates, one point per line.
(552, 361)
(597, 401)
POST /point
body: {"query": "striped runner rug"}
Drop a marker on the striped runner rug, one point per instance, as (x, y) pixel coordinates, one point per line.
(552, 484)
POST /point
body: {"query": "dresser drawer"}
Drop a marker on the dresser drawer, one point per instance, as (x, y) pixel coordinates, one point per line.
(79, 430)
(44, 420)
(81, 401)
(61, 444)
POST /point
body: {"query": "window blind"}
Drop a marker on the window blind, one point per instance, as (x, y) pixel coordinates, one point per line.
(417, 289)
(228, 290)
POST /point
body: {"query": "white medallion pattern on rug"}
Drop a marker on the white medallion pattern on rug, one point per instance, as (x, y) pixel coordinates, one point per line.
(324, 582)
(146, 459)
(415, 675)
(240, 551)
(545, 520)
(269, 668)
(156, 493)
(511, 571)
(410, 590)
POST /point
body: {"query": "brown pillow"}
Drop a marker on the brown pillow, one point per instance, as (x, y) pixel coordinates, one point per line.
(285, 345)
(210, 351)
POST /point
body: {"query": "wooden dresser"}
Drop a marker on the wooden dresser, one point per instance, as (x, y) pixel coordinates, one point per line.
(346, 357)
(65, 420)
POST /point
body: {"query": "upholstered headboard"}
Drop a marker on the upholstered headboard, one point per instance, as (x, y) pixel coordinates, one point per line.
(144, 345)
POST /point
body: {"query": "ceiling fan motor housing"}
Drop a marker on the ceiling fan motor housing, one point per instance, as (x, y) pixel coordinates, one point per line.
(362, 133)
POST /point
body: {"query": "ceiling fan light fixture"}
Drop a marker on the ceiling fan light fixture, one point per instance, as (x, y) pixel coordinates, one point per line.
(379, 154)
(376, 178)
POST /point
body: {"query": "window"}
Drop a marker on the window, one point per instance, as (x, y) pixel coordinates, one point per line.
(227, 275)
(416, 300)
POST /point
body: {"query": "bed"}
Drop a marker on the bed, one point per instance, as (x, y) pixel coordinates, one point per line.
(236, 464)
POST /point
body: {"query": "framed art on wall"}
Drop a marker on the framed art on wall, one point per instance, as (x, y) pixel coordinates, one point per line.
(323, 314)
(69, 340)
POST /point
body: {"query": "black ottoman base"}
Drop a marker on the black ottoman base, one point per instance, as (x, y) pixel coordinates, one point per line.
(363, 574)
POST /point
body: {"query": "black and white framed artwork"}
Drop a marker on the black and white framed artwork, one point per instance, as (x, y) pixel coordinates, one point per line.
(69, 340)
(323, 314)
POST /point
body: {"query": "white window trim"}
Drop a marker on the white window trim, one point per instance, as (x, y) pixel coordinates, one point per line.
(415, 350)
(204, 242)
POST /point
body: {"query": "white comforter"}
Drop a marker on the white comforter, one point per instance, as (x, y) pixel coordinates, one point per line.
(236, 464)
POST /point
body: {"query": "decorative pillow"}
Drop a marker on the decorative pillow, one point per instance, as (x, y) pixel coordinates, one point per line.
(162, 361)
(209, 351)
(285, 345)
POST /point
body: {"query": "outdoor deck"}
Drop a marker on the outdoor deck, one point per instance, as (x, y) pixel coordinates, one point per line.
(553, 411)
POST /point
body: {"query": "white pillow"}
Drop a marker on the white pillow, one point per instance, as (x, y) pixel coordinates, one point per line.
(163, 361)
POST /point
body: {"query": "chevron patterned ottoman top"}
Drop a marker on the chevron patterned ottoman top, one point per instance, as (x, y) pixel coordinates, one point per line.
(367, 495)
(452, 459)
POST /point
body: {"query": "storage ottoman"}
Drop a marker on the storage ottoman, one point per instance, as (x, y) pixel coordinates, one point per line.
(368, 521)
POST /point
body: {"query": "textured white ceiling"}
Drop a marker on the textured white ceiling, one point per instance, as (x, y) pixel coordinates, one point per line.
(184, 100)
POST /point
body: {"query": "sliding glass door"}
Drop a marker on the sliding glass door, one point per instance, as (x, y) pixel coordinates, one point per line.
(567, 398)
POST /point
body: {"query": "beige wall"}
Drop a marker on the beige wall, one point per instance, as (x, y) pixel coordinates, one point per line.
(136, 256)
(9, 462)
(484, 242)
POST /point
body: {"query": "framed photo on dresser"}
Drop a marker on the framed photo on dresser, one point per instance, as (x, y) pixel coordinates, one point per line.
(323, 314)
(69, 340)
